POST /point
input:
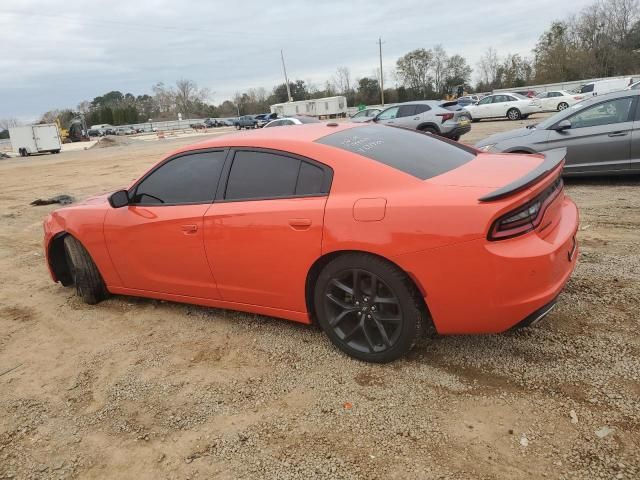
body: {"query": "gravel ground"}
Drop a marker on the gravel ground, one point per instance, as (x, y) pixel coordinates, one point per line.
(135, 388)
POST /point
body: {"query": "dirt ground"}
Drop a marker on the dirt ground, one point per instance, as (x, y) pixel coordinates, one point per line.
(135, 388)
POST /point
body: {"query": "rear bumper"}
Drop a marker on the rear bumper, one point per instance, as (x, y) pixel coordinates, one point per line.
(457, 131)
(481, 286)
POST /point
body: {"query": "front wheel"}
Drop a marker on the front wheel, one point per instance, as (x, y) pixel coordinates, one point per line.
(84, 272)
(514, 114)
(368, 308)
(563, 106)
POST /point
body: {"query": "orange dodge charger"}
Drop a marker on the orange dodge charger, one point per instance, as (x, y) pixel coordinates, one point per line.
(374, 232)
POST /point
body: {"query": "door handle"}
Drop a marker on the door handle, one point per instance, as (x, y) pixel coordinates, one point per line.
(300, 223)
(617, 134)
(416, 118)
(189, 229)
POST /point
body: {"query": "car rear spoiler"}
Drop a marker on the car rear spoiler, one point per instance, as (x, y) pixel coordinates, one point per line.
(552, 158)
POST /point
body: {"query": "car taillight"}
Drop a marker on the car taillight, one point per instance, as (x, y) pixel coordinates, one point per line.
(527, 217)
(578, 97)
(445, 116)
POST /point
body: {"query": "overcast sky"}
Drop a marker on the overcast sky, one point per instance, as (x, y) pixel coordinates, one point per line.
(56, 54)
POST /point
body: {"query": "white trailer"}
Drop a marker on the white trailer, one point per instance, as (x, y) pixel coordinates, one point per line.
(35, 139)
(328, 107)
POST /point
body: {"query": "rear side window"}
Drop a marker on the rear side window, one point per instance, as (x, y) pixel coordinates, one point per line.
(420, 155)
(264, 175)
(189, 179)
(421, 108)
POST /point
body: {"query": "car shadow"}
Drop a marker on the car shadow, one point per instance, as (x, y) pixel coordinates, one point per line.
(605, 180)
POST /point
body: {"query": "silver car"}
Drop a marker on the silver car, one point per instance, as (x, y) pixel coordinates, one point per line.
(429, 116)
(365, 115)
(601, 135)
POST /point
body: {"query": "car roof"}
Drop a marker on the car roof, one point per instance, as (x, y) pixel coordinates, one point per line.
(273, 137)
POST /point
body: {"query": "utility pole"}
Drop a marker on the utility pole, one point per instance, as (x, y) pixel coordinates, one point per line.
(381, 74)
(286, 80)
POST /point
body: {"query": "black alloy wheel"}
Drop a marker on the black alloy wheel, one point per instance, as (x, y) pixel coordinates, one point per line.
(368, 308)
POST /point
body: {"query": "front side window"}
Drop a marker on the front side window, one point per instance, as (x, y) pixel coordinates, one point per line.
(361, 114)
(605, 113)
(262, 175)
(189, 179)
(485, 101)
(389, 113)
(406, 111)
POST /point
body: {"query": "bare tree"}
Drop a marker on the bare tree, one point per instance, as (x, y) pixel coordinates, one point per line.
(188, 94)
(488, 66)
(342, 81)
(7, 123)
(439, 68)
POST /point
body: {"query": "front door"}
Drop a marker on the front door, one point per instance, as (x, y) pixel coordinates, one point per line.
(264, 231)
(599, 140)
(156, 243)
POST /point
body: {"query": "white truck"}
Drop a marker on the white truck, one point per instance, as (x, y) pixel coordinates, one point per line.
(328, 107)
(602, 87)
(35, 139)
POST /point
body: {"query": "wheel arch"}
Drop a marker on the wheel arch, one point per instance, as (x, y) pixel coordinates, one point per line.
(424, 125)
(57, 259)
(321, 262)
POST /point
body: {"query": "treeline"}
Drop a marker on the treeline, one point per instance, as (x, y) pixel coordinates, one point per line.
(601, 40)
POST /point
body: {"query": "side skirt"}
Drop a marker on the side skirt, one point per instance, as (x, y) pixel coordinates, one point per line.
(302, 317)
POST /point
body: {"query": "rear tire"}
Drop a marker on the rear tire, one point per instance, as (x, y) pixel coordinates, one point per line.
(514, 114)
(429, 129)
(86, 277)
(368, 308)
(563, 106)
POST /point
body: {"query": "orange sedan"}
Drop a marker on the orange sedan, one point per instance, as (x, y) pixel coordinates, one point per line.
(376, 233)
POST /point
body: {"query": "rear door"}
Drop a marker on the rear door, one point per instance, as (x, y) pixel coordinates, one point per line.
(500, 105)
(46, 137)
(599, 140)
(264, 231)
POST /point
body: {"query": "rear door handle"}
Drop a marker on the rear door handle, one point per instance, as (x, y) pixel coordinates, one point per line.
(189, 228)
(416, 118)
(300, 223)
(617, 134)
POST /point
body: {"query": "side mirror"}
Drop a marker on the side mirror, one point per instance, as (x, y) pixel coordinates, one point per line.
(562, 126)
(119, 199)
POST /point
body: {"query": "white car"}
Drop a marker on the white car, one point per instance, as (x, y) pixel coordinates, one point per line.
(365, 115)
(510, 105)
(558, 100)
(299, 120)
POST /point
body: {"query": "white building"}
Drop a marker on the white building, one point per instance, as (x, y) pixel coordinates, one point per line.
(328, 107)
